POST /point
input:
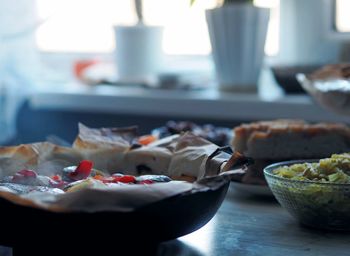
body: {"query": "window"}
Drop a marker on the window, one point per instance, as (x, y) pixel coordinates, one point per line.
(342, 15)
(87, 26)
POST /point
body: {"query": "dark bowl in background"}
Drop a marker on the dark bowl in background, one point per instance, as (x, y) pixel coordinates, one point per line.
(285, 77)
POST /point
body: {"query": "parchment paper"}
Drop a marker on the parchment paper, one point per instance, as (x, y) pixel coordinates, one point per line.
(180, 156)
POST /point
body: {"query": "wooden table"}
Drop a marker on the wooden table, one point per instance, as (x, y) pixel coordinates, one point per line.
(256, 226)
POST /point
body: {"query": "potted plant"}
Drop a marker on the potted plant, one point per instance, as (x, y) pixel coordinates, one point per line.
(138, 49)
(237, 31)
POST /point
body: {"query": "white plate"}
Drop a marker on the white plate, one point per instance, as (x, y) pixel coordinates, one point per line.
(249, 189)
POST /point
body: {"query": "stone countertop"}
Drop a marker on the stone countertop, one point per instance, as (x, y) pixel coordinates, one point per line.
(256, 226)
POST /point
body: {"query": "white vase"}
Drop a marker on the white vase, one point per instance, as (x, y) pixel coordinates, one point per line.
(138, 52)
(238, 34)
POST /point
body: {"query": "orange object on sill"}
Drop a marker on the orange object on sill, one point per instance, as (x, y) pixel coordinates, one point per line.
(81, 65)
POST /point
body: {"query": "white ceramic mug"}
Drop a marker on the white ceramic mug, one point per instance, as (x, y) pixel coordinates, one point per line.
(138, 52)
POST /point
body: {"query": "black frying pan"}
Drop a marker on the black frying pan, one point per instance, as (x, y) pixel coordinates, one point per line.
(33, 231)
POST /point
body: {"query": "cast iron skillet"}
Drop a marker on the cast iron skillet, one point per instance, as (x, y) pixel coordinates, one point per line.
(33, 231)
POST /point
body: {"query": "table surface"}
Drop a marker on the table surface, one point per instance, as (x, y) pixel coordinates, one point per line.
(246, 225)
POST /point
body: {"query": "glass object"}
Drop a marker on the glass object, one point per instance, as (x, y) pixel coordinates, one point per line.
(332, 94)
(315, 204)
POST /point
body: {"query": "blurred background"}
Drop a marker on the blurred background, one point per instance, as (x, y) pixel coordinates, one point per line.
(61, 62)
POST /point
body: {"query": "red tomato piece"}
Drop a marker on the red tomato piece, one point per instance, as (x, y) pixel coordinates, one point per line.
(125, 179)
(58, 183)
(147, 182)
(82, 171)
(56, 177)
(24, 174)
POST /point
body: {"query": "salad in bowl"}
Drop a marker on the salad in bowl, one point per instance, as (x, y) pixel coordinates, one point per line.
(315, 192)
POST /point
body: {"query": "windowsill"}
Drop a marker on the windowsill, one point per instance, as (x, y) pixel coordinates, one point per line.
(268, 103)
(208, 104)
